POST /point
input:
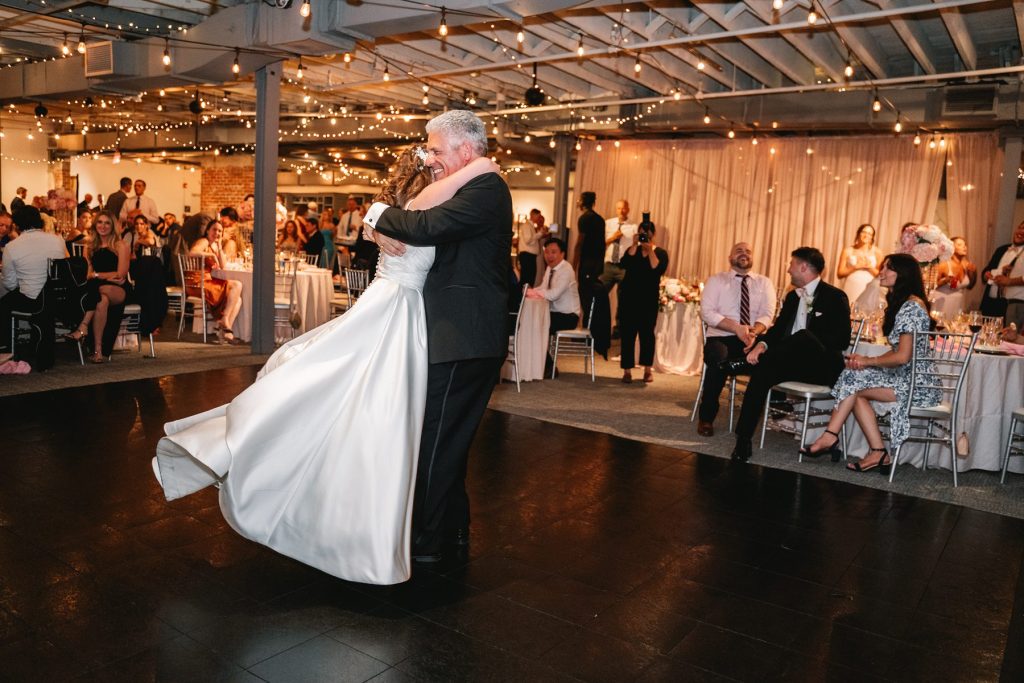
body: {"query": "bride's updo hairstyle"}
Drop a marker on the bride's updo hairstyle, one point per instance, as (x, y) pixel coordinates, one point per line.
(408, 180)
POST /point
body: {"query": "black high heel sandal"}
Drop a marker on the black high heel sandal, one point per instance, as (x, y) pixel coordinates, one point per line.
(837, 454)
(881, 465)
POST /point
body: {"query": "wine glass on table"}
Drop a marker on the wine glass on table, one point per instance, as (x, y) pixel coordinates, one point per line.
(975, 322)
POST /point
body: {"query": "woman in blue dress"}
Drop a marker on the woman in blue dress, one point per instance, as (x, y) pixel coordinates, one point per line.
(885, 378)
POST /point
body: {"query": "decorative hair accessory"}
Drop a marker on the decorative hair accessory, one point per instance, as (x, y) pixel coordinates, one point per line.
(421, 155)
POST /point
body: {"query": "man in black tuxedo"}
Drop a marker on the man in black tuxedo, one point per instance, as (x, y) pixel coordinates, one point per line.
(998, 275)
(466, 297)
(805, 344)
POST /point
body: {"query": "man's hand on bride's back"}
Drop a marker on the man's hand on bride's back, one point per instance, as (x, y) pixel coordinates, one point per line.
(388, 245)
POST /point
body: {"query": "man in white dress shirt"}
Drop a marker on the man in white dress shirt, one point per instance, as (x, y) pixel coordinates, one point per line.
(558, 286)
(1004, 281)
(737, 306)
(26, 262)
(618, 237)
(350, 224)
(140, 204)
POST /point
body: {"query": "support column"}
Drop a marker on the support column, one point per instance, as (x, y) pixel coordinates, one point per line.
(1003, 231)
(563, 164)
(268, 106)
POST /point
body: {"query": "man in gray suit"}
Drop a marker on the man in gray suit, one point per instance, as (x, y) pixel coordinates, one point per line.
(465, 297)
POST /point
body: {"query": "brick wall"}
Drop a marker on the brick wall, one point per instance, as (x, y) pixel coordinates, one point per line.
(226, 185)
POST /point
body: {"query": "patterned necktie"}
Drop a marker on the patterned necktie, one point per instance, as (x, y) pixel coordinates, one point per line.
(744, 299)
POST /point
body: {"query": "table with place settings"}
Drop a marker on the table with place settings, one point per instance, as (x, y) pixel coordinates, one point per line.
(313, 291)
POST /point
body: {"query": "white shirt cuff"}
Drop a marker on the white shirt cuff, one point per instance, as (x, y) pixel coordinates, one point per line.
(373, 214)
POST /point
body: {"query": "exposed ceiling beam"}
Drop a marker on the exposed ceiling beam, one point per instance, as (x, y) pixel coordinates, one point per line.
(859, 40)
(1018, 15)
(914, 38)
(820, 53)
(957, 28)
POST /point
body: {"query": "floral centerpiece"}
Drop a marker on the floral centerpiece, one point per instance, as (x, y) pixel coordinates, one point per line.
(61, 204)
(674, 291)
(929, 246)
(926, 243)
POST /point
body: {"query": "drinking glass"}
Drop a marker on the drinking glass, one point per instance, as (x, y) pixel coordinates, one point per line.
(975, 321)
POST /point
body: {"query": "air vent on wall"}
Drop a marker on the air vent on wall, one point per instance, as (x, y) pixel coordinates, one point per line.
(975, 100)
(99, 59)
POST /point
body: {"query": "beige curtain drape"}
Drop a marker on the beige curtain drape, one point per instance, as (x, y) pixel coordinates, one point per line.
(972, 195)
(780, 194)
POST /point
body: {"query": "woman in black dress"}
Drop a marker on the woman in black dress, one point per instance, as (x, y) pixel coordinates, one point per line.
(108, 257)
(644, 264)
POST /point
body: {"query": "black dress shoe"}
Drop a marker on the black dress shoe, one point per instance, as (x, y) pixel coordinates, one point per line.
(743, 450)
(736, 366)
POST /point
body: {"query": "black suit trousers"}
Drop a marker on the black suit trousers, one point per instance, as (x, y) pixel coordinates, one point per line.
(799, 358)
(716, 350)
(457, 395)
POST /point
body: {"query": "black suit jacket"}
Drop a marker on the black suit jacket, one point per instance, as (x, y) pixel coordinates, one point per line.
(827, 335)
(991, 305)
(466, 292)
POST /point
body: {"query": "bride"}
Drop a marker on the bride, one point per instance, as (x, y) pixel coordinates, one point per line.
(317, 459)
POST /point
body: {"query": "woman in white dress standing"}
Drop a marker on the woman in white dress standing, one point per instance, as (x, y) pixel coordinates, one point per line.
(858, 264)
(317, 459)
(953, 278)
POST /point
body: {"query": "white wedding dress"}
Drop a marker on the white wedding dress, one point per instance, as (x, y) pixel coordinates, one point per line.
(317, 459)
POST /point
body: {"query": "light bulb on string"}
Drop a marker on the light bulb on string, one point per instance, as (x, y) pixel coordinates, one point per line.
(776, 5)
(848, 71)
(677, 95)
(305, 10)
(81, 42)
(236, 68)
(579, 145)
(753, 140)
(443, 28)
(812, 17)
(167, 53)
(637, 66)
(700, 64)
(579, 46)
(520, 35)
(731, 133)
(425, 100)
(876, 104)
(931, 143)
(65, 49)
(897, 127)
(917, 139)
(551, 144)
(298, 71)
(599, 147)
(707, 116)
(387, 74)
(942, 142)
(347, 58)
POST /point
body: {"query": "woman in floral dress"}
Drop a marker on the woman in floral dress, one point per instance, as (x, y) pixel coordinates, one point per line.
(885, 378)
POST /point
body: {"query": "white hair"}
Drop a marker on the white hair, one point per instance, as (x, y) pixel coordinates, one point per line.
(458, 126)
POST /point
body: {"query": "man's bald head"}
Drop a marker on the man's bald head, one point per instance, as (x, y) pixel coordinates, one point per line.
(741, 257)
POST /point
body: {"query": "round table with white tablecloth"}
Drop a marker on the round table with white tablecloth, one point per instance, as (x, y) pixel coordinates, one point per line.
(533, 342)
(677, 347)
(313, 291)
(993, 388)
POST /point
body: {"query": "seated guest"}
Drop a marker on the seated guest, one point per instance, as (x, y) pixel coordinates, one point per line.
(79, 234)
(644, 263)
(26, 267)
(314, 242)
(8, 231)
(146, 241)
(885, 378)
(737, 306)
(558, 286)
(223, 297)
(805, 344)
(289, 238)
(231, 241)
(107, 287)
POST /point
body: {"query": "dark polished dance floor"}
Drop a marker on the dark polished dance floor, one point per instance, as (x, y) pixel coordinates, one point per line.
(593, 558)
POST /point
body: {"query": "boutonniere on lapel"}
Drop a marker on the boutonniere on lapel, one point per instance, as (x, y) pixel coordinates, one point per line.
(808, 304)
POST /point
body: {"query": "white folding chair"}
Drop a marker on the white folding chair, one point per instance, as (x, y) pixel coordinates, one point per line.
(193, 276)
(311, 259)
(78, 249)
(1014, 442)
(176, 295)
(284, 301)
(733, 377)
(944, 362)
(578, 342)
(513, 339)
(131, 325)
(797, 410)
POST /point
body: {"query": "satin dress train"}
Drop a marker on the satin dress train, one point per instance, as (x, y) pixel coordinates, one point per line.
(317, 458)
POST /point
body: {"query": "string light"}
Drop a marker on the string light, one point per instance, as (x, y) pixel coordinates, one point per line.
(81, 42)
(298, 71)
(305, 10)
(917, 139)
(347, 58)
(65, 48)
(579, 46)
(931, 143)
(638, 66)
(777, 5)
(812, 15)
(898, 127)
(387, 74)
(579, 145)
(731, 134)
(848, 71)
(753, 140)
(236, 68)
(520, 35)
(599, 148)
(942, 142)
(876, 104)
(443, 28)
(425, 100)
(551, 144)
(677, 95)
(700, 64)
(707, 116)
(167, 53)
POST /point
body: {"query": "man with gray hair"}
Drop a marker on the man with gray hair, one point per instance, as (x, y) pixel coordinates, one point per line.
(465, 297)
